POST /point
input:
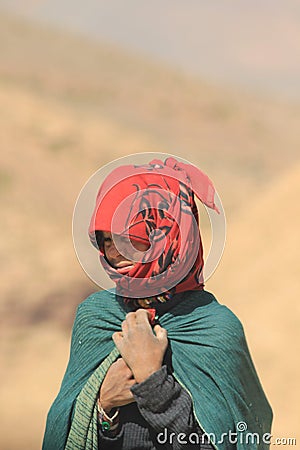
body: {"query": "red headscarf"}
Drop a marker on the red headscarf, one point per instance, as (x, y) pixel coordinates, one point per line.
(154, 204)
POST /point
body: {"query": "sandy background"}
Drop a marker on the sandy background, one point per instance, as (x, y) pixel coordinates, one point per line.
(68, 105)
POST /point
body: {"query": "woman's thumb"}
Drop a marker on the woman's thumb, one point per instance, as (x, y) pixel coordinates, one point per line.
(117, 338)
(160, 332)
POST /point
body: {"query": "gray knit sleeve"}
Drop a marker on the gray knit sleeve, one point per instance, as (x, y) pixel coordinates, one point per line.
(168, 409)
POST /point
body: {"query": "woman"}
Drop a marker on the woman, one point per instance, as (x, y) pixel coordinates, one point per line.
(157, 362)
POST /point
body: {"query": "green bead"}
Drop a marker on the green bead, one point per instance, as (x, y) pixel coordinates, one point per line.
(105, 426)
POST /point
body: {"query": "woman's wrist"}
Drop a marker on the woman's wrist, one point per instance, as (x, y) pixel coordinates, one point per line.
(142, 374)
(105, 403)
(107, 408)
(108, 420)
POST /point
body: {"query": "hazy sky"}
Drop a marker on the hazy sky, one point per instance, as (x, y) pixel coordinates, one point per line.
(249, 42)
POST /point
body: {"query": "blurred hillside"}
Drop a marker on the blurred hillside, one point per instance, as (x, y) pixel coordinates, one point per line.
(68, 106)
(259, 279)
(252, 43)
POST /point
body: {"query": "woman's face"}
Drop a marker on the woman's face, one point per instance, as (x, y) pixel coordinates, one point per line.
(114, 257)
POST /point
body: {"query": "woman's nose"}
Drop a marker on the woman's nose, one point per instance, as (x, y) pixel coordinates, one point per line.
(112, 251)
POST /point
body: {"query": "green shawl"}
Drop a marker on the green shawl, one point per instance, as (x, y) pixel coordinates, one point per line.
(210, 358)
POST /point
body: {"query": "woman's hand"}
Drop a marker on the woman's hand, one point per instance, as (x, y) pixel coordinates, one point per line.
(142, 350)
(115, 389)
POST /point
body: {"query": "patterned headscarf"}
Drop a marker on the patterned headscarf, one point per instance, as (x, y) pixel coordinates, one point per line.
(154, 204)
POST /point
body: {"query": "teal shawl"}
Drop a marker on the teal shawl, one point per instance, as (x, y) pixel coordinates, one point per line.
(210, 358)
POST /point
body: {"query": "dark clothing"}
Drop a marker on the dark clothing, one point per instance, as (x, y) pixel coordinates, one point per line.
(161, 407)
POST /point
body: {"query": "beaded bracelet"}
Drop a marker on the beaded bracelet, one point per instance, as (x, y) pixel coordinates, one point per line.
(106, 422)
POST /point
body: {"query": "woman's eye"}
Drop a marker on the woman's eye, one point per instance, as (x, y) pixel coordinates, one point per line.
(107, 240)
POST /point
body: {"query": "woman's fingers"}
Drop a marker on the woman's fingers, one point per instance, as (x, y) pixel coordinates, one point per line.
(117, 337)
(161, 333)
(124, 326)
(142, 318)
(123, 368)
(131, 382)
(130, 318)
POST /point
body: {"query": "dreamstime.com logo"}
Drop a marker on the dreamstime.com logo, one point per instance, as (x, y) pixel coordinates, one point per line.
(240, 436)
